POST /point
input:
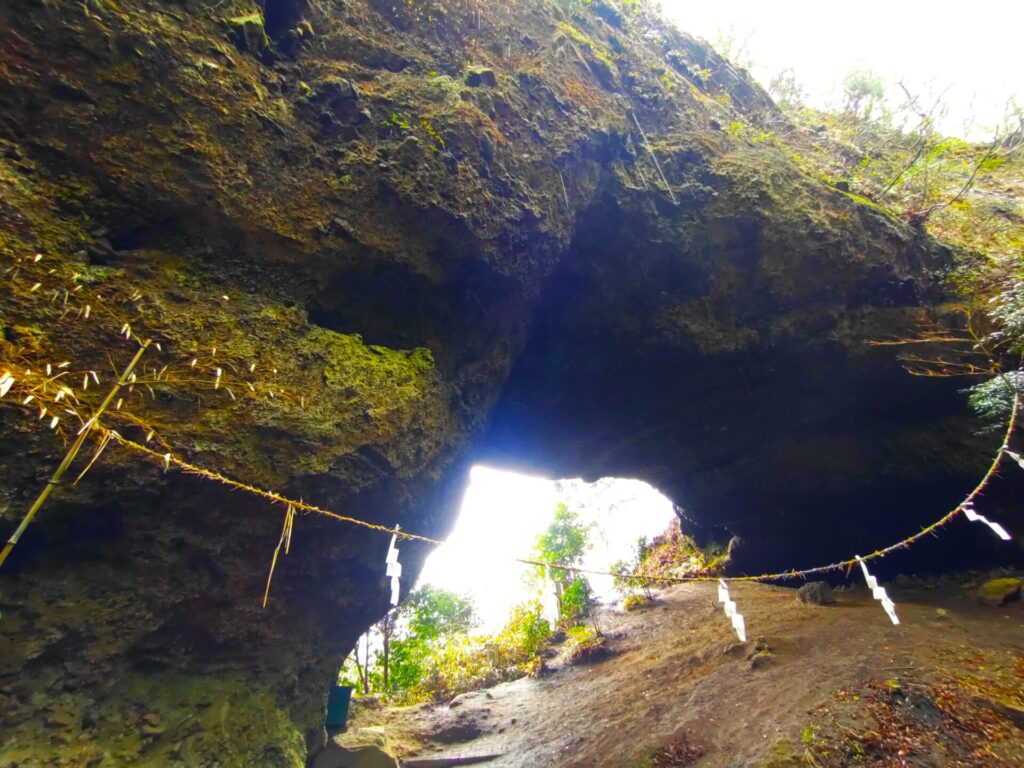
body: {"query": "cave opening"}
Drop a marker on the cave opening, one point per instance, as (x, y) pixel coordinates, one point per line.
(504, 512)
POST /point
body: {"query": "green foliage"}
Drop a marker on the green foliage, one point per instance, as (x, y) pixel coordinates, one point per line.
(733, 49)
(674, 554)
(630, 580)
(582, 642)
(399, 121)
(864, 93)
(432, 654)
(429, 620)
(349, 674)
(632, 602)
(1007, 311)
(434, 613)
(525, 634)
(408, 636)
(993, 399)
(577, 601)
(564, 542)
(466, 662)
(786, 91)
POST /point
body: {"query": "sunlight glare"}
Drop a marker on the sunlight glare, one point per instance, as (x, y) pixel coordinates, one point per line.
(972, 51)
(502, 515)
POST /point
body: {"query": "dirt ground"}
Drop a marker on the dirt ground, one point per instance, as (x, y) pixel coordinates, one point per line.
(833, 685)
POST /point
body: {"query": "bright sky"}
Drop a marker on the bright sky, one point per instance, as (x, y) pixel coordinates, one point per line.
(972, 48)
(502, 515)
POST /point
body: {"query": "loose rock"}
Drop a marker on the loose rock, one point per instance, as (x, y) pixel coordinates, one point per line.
(998, 592)
(816, 593)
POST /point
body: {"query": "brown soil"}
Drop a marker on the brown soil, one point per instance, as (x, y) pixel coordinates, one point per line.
(838, 685)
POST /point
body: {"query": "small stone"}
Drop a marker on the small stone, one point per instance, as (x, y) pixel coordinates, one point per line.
(998, 592)
(61, 718)
(761, 659)
(477, 76)
(816, 593)
(335, 89)
(941, 614)
(151, 718)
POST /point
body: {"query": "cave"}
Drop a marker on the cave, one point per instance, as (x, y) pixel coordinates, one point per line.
(496, 266)
(638, 365)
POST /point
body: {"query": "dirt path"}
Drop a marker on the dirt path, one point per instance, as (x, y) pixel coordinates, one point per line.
(839, 686)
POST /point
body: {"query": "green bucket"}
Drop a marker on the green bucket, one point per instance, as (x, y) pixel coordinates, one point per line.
(337, 706)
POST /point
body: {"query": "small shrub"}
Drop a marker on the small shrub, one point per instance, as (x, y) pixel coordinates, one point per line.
(673, 554)
(468, 662)
(576, 601)
(583, 644)
(633, 602)
(630, 579)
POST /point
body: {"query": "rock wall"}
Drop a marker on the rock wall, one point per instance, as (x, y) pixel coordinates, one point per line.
(347, 224)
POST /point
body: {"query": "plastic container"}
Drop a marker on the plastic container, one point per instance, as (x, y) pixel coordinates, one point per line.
(337, 707)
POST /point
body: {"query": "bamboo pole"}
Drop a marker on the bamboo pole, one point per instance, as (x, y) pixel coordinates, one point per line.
(668, 187)
(69, 457)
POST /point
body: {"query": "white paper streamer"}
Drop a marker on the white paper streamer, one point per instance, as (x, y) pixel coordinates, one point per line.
(974, 517)
(878, 592)
(549, 601)
(393, 568)
(731, 612)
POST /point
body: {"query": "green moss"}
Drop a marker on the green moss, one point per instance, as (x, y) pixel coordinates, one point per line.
(633, 602)
(785, 755)
(999, 591)
(349, 364)
(28, 221)
(578, 37)
(198, 721)
(250, 32)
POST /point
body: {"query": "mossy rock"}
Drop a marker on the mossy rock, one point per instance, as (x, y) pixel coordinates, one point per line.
(634, 602)
(784, 755)
(249, 33)
(998, 592)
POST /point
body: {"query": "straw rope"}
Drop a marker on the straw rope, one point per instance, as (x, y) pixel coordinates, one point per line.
(169, 459)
